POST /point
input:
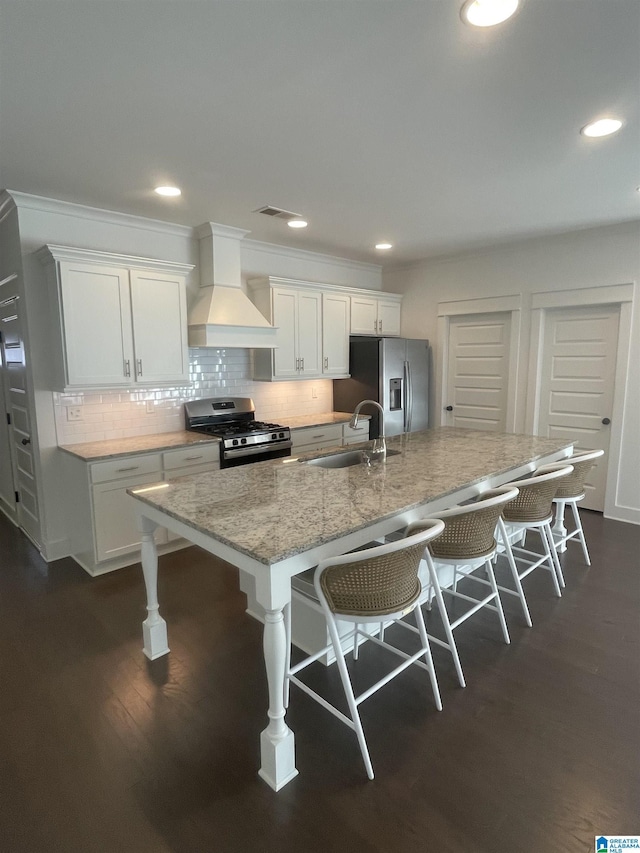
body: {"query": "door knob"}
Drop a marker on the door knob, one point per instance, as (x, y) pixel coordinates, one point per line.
(606, 421)
(448, 408)
(26, 441)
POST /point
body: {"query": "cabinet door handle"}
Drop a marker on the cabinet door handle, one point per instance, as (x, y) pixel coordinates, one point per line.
(380, 326)
(319, 436)
(297, 364)
(302, 364)
(375, 325)
(326, 363)
(139, 366)
(190, 458)
(130, 468)
(127, 367)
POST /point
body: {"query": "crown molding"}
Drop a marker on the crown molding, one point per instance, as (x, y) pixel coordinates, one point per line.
(111, 217)
(305, 255)
(49, 254)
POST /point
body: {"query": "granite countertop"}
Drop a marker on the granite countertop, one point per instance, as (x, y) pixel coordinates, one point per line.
(93, 451)
(274, 510)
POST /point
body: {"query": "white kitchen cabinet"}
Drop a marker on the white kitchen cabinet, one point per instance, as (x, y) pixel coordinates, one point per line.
(336, 319)
(297, 313)
(308, 439)
(101, 517)
(373, 315)
(121, 320)
(354, 436)
(114, 524)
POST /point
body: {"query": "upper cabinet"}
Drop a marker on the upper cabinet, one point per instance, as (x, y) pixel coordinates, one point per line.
(122, 320)
(336, 314)
(375, 315)
(298, 315)
(314, 323)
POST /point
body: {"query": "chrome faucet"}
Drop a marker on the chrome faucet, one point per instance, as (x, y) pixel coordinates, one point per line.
(379, 448)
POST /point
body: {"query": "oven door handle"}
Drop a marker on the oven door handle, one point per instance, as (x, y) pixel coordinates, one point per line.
(252, 451)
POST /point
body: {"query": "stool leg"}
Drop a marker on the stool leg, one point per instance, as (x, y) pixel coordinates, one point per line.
(494, 587)
(576, 517)
(514, 572)
(355, 642)
(348, 691)
(559, 530)
(545, 542)
(445, 619)
(422, 630)
(554, 554)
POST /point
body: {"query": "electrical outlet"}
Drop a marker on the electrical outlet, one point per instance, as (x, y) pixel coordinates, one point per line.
(151, 407)
(74, 413)
(314, 392)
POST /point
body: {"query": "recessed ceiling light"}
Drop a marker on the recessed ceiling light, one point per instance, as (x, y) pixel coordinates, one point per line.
(602, 127)
(168, 191)
(384, 245)
(297, 223)
(488, 13)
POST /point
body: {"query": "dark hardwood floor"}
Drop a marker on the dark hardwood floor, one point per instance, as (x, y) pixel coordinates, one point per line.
(101, 750)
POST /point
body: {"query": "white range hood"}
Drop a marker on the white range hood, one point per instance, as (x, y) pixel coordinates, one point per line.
(223, 315)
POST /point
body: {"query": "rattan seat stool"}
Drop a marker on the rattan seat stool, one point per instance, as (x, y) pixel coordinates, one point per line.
(532, 509)
(571, 491)
(468, 544)
(367, 587)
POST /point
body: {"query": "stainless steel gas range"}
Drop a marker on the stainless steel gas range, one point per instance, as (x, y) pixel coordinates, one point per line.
(242, 439)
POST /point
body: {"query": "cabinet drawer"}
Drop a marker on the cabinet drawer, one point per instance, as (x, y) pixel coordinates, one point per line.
(323, 436)
(189, 456)
(126, 467)
(360, 433)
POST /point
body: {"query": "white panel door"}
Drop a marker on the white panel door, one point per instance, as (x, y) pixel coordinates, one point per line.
(335, 334)
(364, 315)
(478, 371)
(96, 311)
(577, 384)
(159, 309)
(285, 362)
(310, 333)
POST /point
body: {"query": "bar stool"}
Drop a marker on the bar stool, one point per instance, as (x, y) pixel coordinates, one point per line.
(468, 544)
(365, 588)
(532, 509)
(571, 491)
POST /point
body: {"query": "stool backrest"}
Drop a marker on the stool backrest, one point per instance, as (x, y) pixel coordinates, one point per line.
(469, 530)
(377, 581)
(535, 499)
(573, 485)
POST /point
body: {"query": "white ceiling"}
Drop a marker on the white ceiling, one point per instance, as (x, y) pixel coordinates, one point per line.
(373, 118)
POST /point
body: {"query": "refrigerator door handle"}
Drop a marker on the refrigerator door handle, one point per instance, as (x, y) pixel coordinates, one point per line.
(408, 397)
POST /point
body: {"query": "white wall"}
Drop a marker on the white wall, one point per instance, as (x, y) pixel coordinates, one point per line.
(117, 414)
(591, 258)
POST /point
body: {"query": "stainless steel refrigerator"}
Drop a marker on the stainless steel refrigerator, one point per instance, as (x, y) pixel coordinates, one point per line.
(395, 373)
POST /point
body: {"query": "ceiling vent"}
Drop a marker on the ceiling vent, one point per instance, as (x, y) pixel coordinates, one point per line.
(277, 213)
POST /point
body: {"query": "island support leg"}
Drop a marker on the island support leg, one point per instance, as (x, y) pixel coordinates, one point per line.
(154, 628)
(277, 745)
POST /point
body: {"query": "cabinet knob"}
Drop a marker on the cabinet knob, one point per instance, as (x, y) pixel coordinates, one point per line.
(606, 421)
(26, 441)
(448, 408)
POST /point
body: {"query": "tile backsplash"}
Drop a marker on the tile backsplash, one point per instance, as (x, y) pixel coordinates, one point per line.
(97, 415)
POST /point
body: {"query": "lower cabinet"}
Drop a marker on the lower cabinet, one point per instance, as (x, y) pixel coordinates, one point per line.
(308, 439)
(105, 534)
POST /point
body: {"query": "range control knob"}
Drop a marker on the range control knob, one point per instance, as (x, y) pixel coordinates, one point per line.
(243, 441)
(274, 435)
(281, 435)
(235, 442)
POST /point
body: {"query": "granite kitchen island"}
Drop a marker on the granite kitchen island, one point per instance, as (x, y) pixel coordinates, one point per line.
(276, 519)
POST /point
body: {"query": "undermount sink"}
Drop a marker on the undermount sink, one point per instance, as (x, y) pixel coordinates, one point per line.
(343, 460)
